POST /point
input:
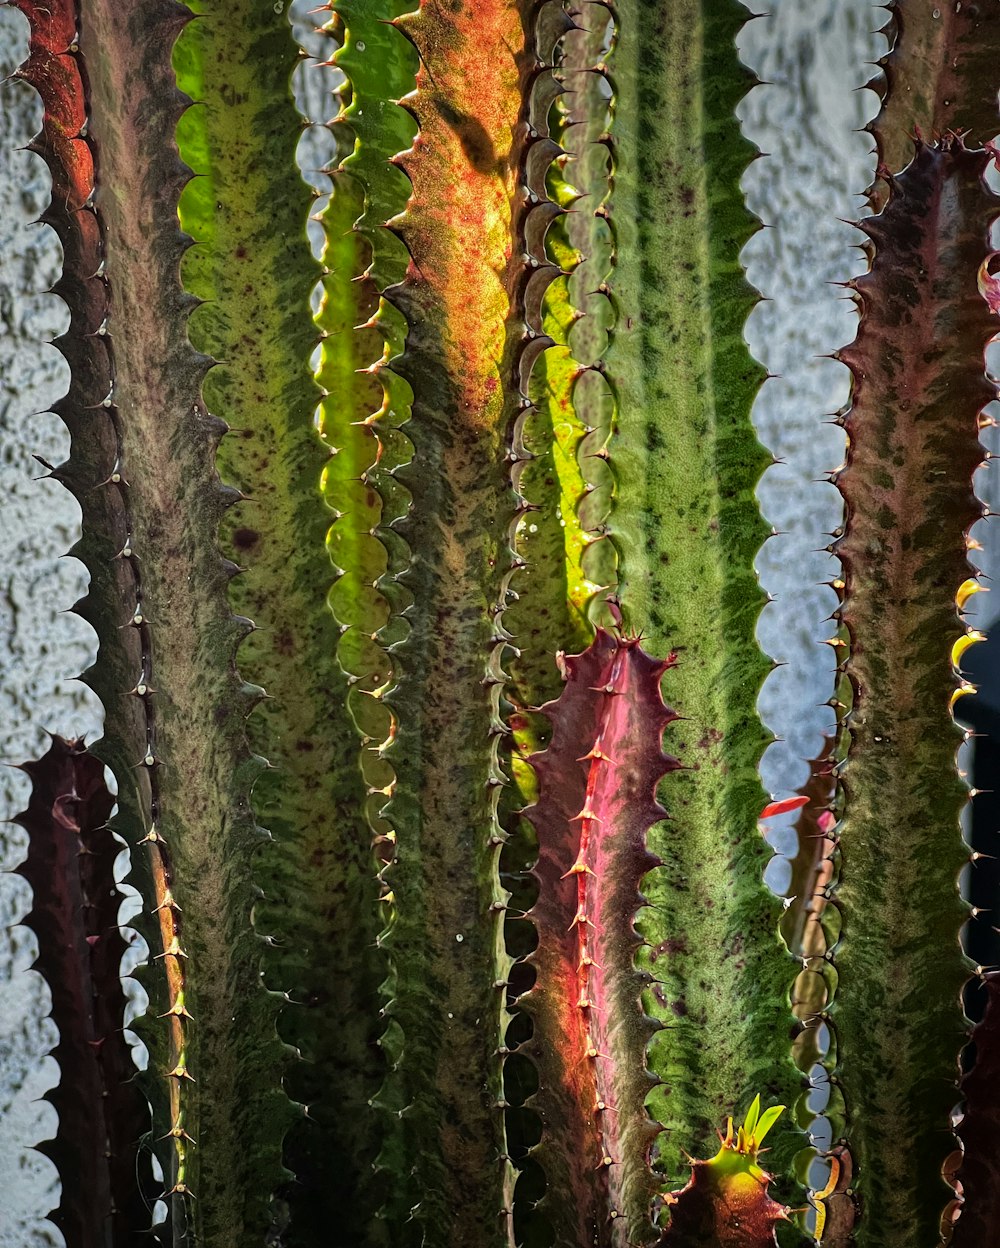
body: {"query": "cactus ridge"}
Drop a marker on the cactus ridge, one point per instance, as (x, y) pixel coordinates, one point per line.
(365, 405)
(97, 475)
(685, 522)
(560, 471)
(99, 1146)
(978, 1171)
(363, 419)
(913, 447)
(938, 75)
(183, 769)
(587, 170)
(808, 928)
(597, 782)
(317, 918)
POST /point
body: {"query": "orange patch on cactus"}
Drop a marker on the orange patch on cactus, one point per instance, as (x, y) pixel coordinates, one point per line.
(52, 70)
(457, 225)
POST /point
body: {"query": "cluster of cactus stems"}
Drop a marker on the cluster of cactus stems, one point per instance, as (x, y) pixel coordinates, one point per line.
(426, 610)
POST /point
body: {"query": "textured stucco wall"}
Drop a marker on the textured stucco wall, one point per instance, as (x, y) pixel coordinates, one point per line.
(805, 116)
(40, 649)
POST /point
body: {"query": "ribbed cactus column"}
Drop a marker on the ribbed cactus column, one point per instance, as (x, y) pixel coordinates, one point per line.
(685, 522)
(106, 1176)
(179, 692)
(913, 445)
(597, 783)
(96, 475)
(940, 75)
(247, 209)
(445, 1174)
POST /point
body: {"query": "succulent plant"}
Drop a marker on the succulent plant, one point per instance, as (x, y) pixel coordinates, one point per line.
(423, 577)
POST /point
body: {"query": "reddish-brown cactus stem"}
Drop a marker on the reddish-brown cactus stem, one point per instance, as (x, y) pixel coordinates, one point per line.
(919, 386)
(597, 783)
(98, 459)
(940, 76)
(979, 1172)
(726, 1202)
(102, 1116)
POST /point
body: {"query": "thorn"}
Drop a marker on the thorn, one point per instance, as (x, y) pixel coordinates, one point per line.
(597, 755)
(173, 950)
(586, 813)
(167, 903)
(578, 868)
(177, 1010)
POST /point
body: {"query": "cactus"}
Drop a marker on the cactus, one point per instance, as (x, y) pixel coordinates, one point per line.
(597, 782)
(900, 592)
(423, 579)
(106, 1181)
(726, 1200)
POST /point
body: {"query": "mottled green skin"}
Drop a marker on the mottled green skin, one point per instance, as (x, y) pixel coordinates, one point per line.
(587, 170)
(247, 210)
(365, 403)
(913, 447)
(687, 528)
(202, 769)
(550, 611)
(940, 75)
(803, 925)
(444, 1177)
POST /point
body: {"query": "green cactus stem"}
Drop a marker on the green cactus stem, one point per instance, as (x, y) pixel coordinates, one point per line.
(144, 444)
(252, 266)
(597, 798)
(366, 405)
(445, 932)
(919, 387)
(803, 923)
(686, 526)
(560, 436)
(107, 1187)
